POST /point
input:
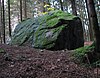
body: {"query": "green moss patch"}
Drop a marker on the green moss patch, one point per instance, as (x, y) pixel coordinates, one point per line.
(87, 56)
(2, 50)
(81, 52)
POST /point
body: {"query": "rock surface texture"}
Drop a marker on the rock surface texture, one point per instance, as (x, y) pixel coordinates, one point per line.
(55, 30)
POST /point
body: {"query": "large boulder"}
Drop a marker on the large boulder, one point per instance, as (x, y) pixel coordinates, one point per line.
(55, 30)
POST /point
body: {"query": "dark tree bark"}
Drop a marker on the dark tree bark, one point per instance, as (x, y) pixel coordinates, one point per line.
(48, 1)
(3, 21)
(9, 18)
(0, 23)
(25, 9)
(18, 15)
(94, 23)
(61, 4)
(73, 7)
(43, 6)
(90, 27)
(21, 10)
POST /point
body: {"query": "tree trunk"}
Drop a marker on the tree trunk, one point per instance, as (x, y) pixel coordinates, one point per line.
(3, 21)
(21, 10)
(74, 12)
(61, 4)
(25, 9)
(18, 14)
(90, 27)
(0, 24)
(94, 23)
(9, 18)
(43, 6)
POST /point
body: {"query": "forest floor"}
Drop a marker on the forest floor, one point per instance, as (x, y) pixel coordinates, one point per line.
(25, 62)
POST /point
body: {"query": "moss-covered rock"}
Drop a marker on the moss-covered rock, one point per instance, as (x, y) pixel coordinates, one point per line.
(55, 30)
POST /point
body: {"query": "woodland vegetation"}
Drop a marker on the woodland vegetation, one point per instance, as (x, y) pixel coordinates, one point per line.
(52, 63)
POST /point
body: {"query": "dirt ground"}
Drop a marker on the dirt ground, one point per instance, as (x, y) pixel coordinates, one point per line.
(25, 62)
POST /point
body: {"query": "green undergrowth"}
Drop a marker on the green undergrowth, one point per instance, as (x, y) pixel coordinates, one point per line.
(2, 50)
(87, 56)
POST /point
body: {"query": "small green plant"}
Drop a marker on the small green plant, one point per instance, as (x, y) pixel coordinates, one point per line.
(83, 54)
(87, 56)
(96, 64)
(1, 50)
